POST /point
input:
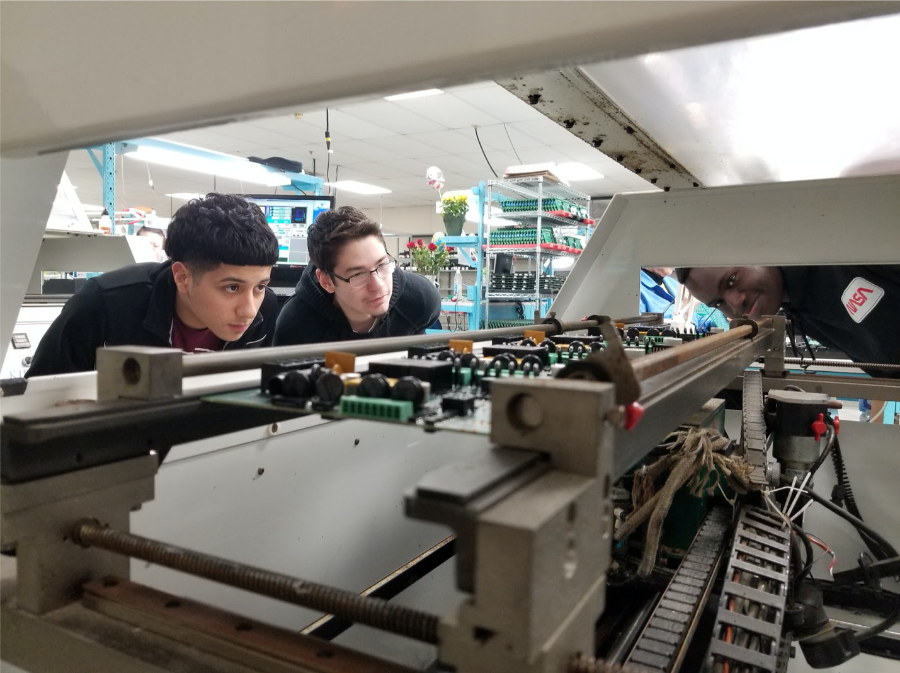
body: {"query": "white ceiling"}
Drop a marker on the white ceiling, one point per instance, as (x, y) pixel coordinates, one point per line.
(385, 143)
(803, 105)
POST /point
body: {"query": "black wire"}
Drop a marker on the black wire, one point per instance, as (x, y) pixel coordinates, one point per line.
(483, 153)
(810, 554)
(855, 522)
(830, 438)
(510, 142)
(881, 626)
(327, 153)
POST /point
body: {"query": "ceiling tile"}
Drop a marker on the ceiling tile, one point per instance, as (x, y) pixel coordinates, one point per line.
(404, 145)
(298, 130)
(450, 163)
(393, 117)
(547, 131)
(254, 134)
(343, 125)
(365, 150)
(451, 142)
(499, 103)
(448, 110)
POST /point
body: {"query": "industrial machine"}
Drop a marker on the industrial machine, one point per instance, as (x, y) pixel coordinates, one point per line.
(561, 497)
(601, 513)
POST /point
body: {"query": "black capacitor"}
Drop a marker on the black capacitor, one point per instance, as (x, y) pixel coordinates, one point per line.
(652, 332)
(410, 389)
(374, 385)
(469, 360)
(596, 346)
(633, 333)
(527, 342)
(549, 345)
(295, 383)
(503, 361)
(446, 355)
(669, 332)
(575, 347)
(534, 362)
(329, 389)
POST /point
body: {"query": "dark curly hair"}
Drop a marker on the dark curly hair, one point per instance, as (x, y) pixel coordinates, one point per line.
(220, 229)
(332, 229)
(682, 273)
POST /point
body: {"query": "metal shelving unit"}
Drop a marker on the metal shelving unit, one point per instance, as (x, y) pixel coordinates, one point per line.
(535, 189)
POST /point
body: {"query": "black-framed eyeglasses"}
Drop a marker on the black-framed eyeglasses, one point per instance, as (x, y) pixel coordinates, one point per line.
(359, 280)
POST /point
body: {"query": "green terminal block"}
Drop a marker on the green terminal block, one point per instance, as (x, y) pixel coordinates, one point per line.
(465, 377)
(376, 409)
(551, 358)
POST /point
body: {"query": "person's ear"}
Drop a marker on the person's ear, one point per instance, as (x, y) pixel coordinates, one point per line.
(325, 281)
(182, 276)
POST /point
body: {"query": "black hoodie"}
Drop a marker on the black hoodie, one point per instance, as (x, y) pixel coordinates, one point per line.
(311, 316)
(851, 308)
(131, 306)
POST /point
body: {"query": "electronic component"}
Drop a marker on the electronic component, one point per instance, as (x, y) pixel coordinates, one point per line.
(427, 349)
(459, 403)
(518, 352)
(374, 385)
(376, 409)
(439, 373)
(410, 389)
(270, 370)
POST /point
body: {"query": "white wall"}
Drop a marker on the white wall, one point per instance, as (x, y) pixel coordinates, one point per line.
(414, 220)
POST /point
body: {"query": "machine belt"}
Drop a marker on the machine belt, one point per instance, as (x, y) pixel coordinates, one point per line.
(660, 646)
(753, 430)
(749, 623)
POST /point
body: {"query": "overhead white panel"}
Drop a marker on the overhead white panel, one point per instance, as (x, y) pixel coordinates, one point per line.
(51, 102)
(816, 103)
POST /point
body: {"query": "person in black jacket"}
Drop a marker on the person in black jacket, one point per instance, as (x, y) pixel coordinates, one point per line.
(848, 307)
(210, 296)
(353, 289)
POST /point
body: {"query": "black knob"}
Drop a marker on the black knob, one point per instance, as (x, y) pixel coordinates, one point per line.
(410, 389)
(293, 383)
(374, 385)
(329, 389)
(549, 345)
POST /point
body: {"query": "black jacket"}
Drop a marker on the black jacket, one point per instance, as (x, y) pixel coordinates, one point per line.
(131, 306)
(854, 309)
(311, 316)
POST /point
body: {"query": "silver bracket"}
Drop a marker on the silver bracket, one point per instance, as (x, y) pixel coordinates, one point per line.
(138, 373)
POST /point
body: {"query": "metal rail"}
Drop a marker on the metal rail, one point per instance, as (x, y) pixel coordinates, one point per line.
(226, 361)
(662, 361)
(820, 362)
(349, 606)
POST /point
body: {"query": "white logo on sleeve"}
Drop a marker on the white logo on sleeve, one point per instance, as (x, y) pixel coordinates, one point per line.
(860, 298)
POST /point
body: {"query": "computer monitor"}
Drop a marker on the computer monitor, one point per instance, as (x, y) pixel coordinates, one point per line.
(290, 216)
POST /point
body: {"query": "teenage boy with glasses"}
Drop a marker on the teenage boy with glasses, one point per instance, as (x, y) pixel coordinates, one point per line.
(353, 289)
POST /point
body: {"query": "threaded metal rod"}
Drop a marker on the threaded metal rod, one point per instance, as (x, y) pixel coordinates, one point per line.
(349, 606)
(583, 664)
(879, 366)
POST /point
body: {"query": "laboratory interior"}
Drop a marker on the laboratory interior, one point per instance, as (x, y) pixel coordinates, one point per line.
(666, 241)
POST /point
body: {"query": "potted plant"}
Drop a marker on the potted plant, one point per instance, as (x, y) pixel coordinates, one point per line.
(428, 258)
(453, 212)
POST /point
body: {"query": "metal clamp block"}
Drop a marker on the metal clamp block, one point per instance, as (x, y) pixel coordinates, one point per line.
(138, 373)
(562, 417)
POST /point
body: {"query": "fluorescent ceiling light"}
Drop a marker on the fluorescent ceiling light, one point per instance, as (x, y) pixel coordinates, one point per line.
(210, 163)
(358, 187)
(414, 94)
(573, 172)
(185, 196)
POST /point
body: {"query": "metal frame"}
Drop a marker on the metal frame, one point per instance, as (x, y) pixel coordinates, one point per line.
(382, 36)
(700, 228)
